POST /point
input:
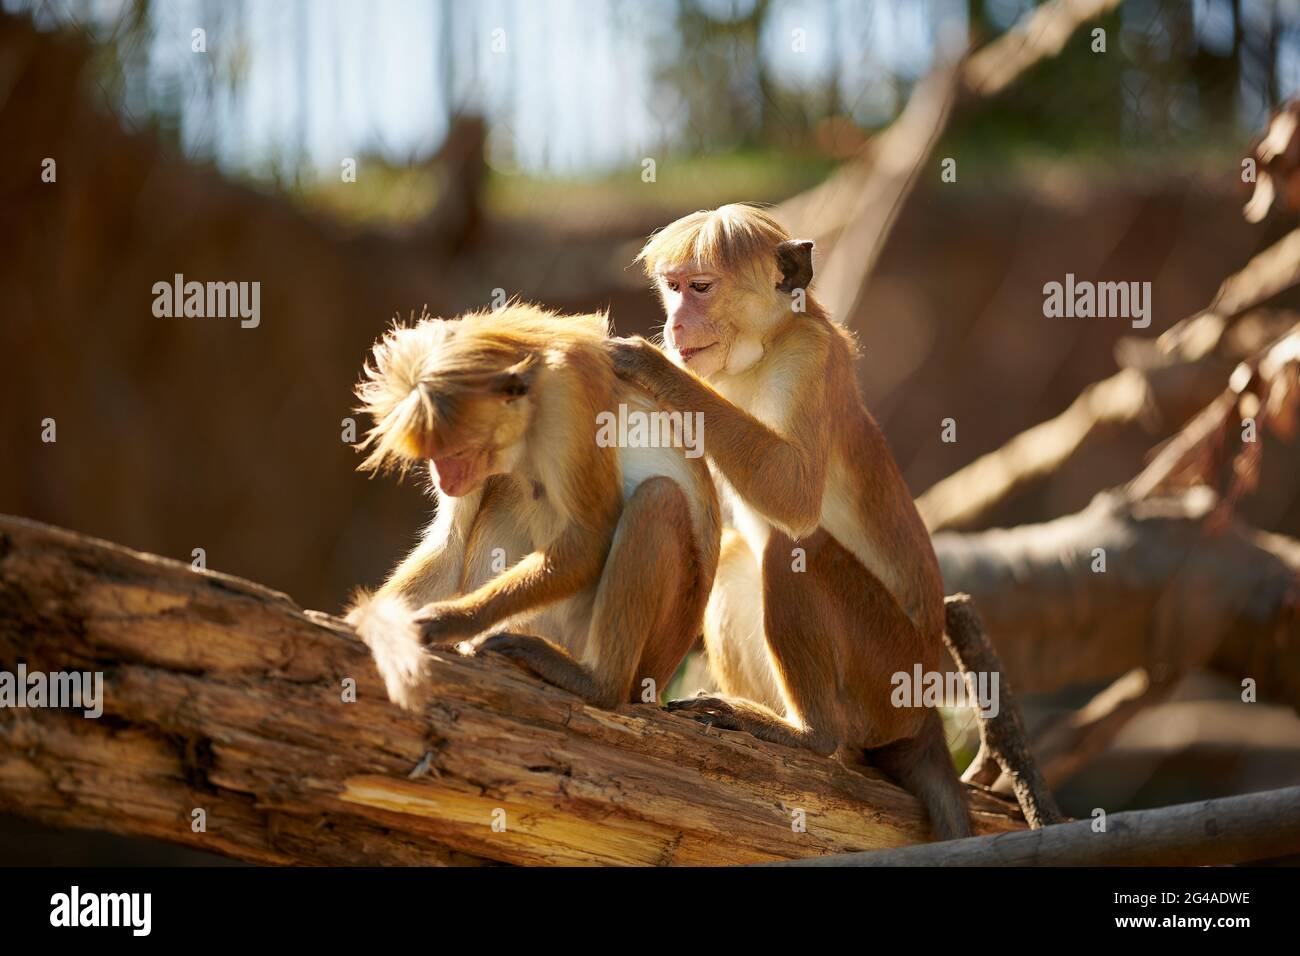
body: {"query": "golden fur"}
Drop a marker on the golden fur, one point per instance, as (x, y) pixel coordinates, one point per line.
(736, 239)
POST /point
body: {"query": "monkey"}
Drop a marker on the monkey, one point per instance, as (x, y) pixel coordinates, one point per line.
(827, 583)
(585, 562)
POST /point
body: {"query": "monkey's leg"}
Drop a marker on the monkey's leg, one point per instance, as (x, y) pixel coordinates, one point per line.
(837, 640)
(638, 600)
(735, 633)
(662, 591)
(733, 627)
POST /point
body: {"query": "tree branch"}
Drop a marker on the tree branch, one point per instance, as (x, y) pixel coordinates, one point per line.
(1256, 826)
(852, 214)
(1066, 745)
(1002, 737)
(1166, 382)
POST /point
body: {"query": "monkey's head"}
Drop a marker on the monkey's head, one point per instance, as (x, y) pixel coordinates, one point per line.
(453, 393)
(726, 277)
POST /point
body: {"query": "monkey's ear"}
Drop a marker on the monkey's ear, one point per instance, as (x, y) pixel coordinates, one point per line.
(514, 382)
(794, 257)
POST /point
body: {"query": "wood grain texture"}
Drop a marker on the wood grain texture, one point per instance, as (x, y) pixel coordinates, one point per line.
(223, 695)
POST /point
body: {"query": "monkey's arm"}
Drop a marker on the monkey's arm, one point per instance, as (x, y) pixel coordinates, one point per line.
(385, 620)
(572, 562)
(432, 571)
(780, 471)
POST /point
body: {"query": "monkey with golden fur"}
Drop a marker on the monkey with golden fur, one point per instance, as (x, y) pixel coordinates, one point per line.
(604, 555)
(805, 652)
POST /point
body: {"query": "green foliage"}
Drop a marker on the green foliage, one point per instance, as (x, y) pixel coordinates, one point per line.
(386, 193)
(681, 182)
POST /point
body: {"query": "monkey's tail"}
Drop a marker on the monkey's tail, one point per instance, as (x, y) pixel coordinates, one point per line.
(924, 767)
(387, 624)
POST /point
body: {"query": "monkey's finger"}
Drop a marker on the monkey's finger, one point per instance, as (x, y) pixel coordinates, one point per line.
(625, 365)
(437, 634)
(428, 631)
(628, 355)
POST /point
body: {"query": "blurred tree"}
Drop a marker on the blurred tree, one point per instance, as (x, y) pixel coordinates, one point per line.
(720, 73)
(1214, 68)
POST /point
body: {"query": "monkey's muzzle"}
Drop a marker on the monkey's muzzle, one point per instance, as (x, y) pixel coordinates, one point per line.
(455, 476)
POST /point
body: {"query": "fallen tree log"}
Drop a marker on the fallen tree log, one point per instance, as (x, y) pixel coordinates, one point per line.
(1161, 385)
(1126, 584)
(1066, 745)
(224, 697)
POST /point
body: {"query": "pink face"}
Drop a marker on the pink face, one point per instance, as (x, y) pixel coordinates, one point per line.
(463, 456)
(458, 475)
(689, 295)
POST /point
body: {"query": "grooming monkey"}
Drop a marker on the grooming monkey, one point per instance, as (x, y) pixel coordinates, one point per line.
(804, 642)
(605, 555)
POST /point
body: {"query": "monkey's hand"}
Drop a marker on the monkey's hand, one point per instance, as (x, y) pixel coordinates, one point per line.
(637, 361)
(386, 624)
(445, 624)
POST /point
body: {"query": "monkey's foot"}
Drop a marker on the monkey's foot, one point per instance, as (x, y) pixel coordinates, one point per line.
(550, 662)
(724, 714)
(520, 648)
(752, 719)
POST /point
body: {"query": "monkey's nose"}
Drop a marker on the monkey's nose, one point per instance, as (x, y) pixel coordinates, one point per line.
(675, 332)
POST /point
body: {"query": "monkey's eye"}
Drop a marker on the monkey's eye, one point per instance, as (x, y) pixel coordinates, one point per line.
(701, 286)
(672, 286)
